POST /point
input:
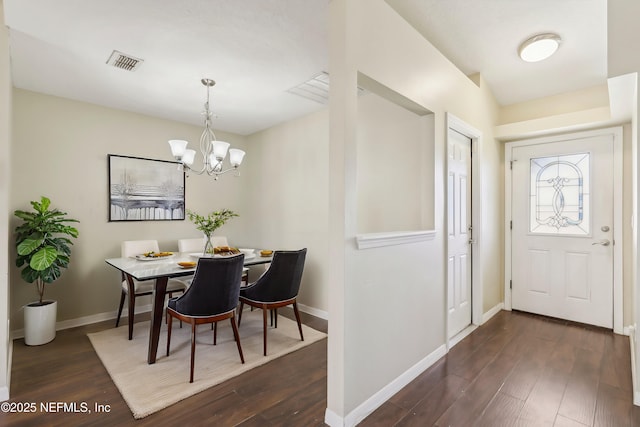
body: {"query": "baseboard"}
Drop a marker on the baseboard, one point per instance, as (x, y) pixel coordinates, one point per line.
(87, 320)
(4, 394)
(492, 312)
(314, 311)
(111, 315)
(375, 401)
(332, 419)
(632, 347)
(461, 335)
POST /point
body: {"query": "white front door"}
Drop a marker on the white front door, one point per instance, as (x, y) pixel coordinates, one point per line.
(562, 229)
(459, 233)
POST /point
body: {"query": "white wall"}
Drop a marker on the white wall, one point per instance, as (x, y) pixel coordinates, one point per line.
(387, 305)
(5, 167)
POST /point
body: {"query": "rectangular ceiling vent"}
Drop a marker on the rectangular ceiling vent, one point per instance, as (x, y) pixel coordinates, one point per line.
(124, 61)
(316, 88)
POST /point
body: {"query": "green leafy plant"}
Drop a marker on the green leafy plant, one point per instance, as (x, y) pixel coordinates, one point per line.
(210, 223)
(43, 243)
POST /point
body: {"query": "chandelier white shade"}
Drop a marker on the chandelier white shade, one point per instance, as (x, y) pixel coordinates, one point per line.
(539, 47)
(212, 151)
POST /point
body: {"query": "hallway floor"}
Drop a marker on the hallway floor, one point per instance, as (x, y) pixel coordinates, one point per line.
(522, 370)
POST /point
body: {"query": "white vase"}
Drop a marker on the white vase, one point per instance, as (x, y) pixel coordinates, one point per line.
(40, 322)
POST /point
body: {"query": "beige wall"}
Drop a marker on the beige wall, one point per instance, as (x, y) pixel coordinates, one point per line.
(5, 167)
(393, 171)
(622, 36)
(280, 196)
(288, 193)
(387, 305)
(584, 99)
(59, 150)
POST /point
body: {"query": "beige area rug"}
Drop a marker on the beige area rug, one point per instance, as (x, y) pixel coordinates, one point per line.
(149, 388)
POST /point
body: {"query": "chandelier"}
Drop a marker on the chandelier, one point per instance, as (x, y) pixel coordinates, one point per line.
(213, 151)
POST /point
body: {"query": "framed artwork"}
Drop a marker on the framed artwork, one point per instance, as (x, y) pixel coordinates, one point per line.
(145, 189)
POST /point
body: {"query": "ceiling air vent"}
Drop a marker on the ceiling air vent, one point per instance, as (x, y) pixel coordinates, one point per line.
(124, 61)
(316, 88)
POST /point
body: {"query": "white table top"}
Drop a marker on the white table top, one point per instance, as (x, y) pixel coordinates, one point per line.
(167, 266)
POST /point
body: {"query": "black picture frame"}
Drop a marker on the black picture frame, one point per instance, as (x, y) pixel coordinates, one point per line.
(145, 189)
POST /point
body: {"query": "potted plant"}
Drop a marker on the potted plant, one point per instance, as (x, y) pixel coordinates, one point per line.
(210, 223)
(43, 245)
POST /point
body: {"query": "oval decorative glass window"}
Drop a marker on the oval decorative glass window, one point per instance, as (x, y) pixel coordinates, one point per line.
(559, 195)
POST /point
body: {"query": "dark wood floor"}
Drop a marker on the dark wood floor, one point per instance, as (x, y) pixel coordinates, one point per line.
(516, 370)
(290, 390)
(522, 370)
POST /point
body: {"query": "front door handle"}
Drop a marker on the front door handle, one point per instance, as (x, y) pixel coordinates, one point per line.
(603, 242)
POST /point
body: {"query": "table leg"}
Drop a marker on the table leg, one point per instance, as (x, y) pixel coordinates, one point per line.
(156, 318)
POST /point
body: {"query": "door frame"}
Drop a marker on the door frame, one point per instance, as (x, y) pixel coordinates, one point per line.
(458, 125)
(617, 213)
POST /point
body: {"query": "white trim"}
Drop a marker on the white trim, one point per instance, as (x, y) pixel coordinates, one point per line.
(88, 320)
(492, 312)
(314, 311)
(371, 404)
(477, 285)
(376, 240)
(461, 335)
(632, 349)
(111, 315)
(627, 331)
(618, 296)
(4, 394)
(332, 419)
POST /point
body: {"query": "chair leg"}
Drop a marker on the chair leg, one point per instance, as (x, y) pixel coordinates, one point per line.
(169, 322)
(275, 315)
(297, 313)
(264, 330)
(237, 337)
(132, 310)
(215, 332)
(193, 349)
(123, 295)
(240, 313)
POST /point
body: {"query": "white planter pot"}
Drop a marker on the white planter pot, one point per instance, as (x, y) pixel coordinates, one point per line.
(40, 322)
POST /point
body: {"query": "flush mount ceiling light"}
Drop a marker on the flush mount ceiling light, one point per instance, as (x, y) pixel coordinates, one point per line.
(212, 151)
(539, 47)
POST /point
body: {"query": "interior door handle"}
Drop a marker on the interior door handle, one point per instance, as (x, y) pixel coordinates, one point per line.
(471, 241)
(603, 242)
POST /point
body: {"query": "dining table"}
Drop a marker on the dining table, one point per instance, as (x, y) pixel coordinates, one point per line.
(160, 270)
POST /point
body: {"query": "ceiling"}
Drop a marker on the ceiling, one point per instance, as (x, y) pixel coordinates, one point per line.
(257, 50)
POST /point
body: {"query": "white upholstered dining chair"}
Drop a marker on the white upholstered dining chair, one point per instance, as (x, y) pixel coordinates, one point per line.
(197, 245)
(131, 248)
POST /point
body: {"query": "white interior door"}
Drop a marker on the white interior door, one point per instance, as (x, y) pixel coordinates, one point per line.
(459, 233)
(562, 229)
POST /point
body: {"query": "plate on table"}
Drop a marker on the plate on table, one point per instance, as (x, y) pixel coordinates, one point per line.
(198, 255)
(154, 256)
(187, 264)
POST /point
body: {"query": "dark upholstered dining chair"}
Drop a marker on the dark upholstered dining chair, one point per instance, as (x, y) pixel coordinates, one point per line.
(212, 297)
(277, 287)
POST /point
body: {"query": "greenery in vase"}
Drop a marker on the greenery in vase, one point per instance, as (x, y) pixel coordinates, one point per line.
(210, 223)
(43, 243)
